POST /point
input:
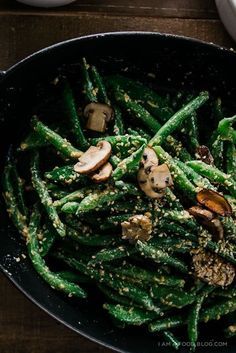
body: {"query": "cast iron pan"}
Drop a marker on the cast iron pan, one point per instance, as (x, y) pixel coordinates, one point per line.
(186, 63)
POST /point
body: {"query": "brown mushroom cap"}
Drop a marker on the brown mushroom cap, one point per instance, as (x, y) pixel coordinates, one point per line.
(212, 269)
(160, 177)
(149, 158)
(203, 153)
(93, 158)
(146, 185)
(103, 173)
(207, 218)
(98, 115)
(214, 201)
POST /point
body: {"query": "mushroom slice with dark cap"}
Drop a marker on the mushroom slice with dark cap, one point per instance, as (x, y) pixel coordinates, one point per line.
(203, 153)
(208, 219)
(149, 158)
(98, 114)
(93, 158)
(147, 187)
(214, 202)
(160, 177)
(103, 173)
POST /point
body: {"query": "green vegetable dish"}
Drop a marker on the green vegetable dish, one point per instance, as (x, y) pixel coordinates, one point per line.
(126, 195)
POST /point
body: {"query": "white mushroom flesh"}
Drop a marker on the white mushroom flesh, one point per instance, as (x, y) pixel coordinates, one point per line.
(93, 158)
(98, 115)
(103, 173)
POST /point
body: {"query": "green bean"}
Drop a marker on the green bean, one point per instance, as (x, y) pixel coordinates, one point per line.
(89, 90)
(217, 151)
(118, 128)
(54, 280)
(191, 128)
(73, 277)
(71, 111)
(130, 315)
(175, 298)
(33, 141)
(157, 105)
(94, 240)
(115, 296)
(114, 160)
(66, 175)
(194, 177)
(123, 287)
(108, 196)
(139, 132)
(180, 179)
(106, 255)
(166, 323)
(122, 145)
(172, 339)
(19, 190)
(215, 175)
(182, 217)
(114, 221)
(225, 128)
(47, 240)
(142, 114)
(76, 196)
(159, 256)
(128, 165)
(99, 85)
(62, 145)
(216, 311)
(44, 196)
(56, 192)
(193, 319)
(141, 275)
(70, 207)
(231, 159)
(177, 230)
(17, 217)
(172, 244)
(178, 118)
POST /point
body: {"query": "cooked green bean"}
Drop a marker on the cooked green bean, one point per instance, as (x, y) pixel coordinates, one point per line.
(213, 174)
(177, 119)
(61, 144)
(53, 279)
(44, 196)
(74, 117)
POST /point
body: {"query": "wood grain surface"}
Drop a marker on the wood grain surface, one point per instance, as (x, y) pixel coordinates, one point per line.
(23, 327)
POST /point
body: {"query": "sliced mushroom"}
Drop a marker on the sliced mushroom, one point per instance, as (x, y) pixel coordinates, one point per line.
(149, 158)
(201, 213)
(138, 227)
(93, 158)
(209, 220)
(98, 115)
(214, 201)
(203, 153)
(103, 173)
(160, 177)
(147, 187)
(212, 269)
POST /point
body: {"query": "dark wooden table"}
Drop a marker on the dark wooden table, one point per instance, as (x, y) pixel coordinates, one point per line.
(23, 327)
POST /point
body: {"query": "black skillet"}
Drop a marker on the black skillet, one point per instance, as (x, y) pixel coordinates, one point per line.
(178, 62)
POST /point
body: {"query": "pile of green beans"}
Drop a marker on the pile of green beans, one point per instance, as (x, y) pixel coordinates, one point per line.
(74, 224)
